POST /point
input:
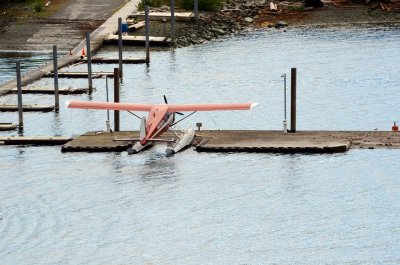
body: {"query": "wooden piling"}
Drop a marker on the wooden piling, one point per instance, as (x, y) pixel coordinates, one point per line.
(196, 10)
(55, 64)
(19, 87)
(120, 45)
(147, 22)
(116, 99)
(173, 21)
(89, 62)
(293, 100)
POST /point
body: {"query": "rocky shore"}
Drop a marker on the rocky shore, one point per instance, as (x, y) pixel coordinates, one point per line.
(240, 15)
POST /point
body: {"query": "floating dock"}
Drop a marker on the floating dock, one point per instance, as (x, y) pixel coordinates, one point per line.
(25, 108)
(34, 140)
(80, 74)
(8, 126)
(45, 90)
(139, 40)
(164, 16)
(248, 141)
(116, 60)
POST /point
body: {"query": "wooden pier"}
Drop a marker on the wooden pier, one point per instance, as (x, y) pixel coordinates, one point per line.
(80, 74)
(34, 140)
(46, 90)
(249, 141)
(25, 108)
(8, 126)
(139, 40)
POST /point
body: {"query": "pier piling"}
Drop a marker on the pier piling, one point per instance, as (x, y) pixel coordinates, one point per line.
(89, 62)
(116, 99)
(19, 86)
(196, 10)
(173, 21)
(55, 64)
(147, 22)
(120, 45)
(293, 100)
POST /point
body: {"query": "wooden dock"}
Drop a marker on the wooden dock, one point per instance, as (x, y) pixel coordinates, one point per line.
(80, 74)
(249, 141)
(139, 40)
(25, 108)
(46, 90)
(8, 126)
(98, 60)
(164, 16)
(34, 140)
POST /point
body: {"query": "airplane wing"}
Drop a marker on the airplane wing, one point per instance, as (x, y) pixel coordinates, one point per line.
(210, 107)
(107, 106)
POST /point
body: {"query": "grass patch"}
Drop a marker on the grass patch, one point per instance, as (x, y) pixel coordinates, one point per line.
(23, 10)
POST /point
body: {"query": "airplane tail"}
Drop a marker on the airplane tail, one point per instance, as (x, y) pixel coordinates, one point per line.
(142, 129)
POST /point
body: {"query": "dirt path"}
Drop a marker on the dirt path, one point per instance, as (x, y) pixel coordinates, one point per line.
(66, 28)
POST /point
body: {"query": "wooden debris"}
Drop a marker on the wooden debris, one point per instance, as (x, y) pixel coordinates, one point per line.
(40, 108)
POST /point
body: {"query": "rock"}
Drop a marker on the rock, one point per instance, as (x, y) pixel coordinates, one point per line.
(217, 31)
(281, 24)
(248, 19)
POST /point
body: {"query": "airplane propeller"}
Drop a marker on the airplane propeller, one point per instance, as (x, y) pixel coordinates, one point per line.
(166, 102)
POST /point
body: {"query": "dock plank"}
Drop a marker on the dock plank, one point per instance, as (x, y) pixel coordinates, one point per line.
(34, 140)
(80, 74)
(164, 16)
(46, 90)
(25, 108)
(99, 60)
(8, 126)
(139, 40)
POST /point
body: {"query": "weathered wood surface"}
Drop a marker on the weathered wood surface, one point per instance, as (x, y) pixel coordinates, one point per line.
(139, 40)
(80, 74)
(116, 60)
(7, 126)
(34, 140)
(249, 141)
(41, 108)
(47, 90)
(136, 26)
(100, 142)
(166, 16)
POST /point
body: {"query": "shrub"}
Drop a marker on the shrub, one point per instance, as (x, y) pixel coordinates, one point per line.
(38, 6)
(207, 5)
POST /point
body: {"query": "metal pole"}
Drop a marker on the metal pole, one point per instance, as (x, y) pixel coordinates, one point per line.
(196, 10)
(108, 111)
(146, 14)
(116, 99)
(284, 104)
(89, 62)
(120, 44)
(19, 87)
(55, 66)
(172, 21)
(293, 100)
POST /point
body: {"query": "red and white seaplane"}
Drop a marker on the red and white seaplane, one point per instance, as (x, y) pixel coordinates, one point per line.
(160, 119)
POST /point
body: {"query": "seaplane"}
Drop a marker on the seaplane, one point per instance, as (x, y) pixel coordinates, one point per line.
(160, 119)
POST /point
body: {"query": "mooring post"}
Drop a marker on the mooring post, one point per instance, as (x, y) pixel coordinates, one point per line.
(147, 22)
(196, 10)
(172, 21)
(19, 87)
(89, 62)
(116, 99)
(293, 100)
(120, 44)
(108, 111)
(55, 65)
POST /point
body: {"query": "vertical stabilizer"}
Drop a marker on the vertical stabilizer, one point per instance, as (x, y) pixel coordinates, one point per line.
(142, 129)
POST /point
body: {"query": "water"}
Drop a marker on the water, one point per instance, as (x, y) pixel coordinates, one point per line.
(196, 208)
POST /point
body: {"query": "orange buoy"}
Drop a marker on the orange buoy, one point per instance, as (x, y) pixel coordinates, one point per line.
(395, 128)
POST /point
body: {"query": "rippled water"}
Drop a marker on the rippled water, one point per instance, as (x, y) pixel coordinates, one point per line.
(196, 208)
